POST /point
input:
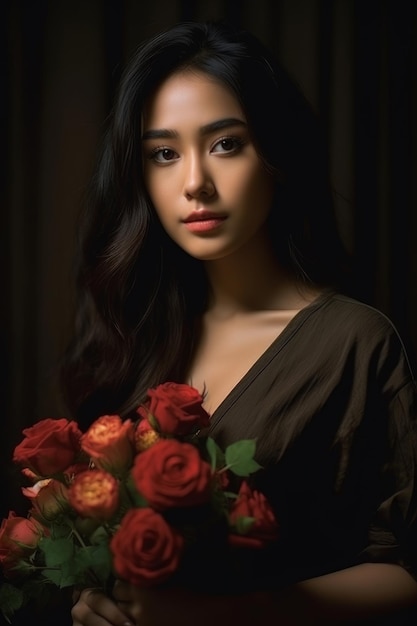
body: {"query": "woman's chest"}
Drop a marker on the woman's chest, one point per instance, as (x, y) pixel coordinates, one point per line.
(227, 351)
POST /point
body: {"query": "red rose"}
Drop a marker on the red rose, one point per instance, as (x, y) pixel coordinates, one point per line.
(176, 408)
(172, 474)
(109, 442)
(49, 498)
(146, 550)
(19, 538)
(49, 446)
(252, 504)
(145, 435)
(94, 494)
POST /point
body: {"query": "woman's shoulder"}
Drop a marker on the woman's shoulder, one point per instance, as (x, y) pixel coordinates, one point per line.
(351, 315)
(349, 324)
(343, 332)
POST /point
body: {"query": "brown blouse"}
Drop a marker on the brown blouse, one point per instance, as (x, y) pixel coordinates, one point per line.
(332, 404)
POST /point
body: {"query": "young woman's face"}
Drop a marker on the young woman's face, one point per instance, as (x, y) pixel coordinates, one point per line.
(209, 187)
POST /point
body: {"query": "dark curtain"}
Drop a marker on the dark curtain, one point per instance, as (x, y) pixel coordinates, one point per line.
(356, 61)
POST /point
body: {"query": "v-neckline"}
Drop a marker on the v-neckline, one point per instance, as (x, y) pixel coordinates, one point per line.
(269, 353)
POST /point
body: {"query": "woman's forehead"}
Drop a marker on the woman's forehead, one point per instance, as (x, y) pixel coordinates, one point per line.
(190, 96)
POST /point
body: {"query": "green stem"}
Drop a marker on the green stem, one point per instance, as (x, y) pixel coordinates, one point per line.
(75, 532)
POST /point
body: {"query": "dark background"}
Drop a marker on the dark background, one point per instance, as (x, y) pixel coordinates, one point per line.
(356, 60)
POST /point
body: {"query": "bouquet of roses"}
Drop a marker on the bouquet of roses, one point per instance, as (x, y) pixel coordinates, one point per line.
(133, 499)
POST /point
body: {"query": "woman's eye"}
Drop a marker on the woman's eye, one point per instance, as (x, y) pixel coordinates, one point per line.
(163, 155)
(227, 144)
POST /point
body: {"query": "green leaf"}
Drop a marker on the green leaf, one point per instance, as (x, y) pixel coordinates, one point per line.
(244, 524)
(11, 600)
(24, 568)
(56, 551)
(231, 495)
(100, 535)
(89, 566)
(154, 422)
(60, 530)
(216, 454)
(102, 561)
(92, 564)
(219, 502)
(239, 457)
(65, 579)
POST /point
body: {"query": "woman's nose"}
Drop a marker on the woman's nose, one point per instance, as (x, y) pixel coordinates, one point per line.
(198, 181)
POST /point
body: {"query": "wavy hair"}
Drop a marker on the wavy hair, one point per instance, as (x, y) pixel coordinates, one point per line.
(139, 294)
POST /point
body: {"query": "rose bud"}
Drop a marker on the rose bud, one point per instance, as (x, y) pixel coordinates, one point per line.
(49, 498)
(145, 435)
(109, 442)
(252, 504)
(95, 494)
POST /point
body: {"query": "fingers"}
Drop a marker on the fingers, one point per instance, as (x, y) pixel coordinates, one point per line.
(126, 592)
(94, 608)
(123, 591)
(130, 599)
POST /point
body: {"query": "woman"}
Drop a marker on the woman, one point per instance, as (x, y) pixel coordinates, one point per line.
(210, 256)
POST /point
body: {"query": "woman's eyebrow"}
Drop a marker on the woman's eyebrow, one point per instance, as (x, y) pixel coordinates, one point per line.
(207, 129)
(220, 124)
(159, 133)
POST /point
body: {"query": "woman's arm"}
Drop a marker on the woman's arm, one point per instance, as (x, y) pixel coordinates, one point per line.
(363, 592)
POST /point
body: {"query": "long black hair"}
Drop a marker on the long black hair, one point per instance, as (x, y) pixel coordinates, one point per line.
(139, 294)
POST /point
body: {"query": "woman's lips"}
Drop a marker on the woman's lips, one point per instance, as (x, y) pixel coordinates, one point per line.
(203, 221)
(204, 225)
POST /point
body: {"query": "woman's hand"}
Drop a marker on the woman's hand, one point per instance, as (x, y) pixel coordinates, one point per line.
(177, 606)
(94, 608)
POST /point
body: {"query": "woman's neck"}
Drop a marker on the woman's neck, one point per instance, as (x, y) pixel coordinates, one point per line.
(252, 280)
